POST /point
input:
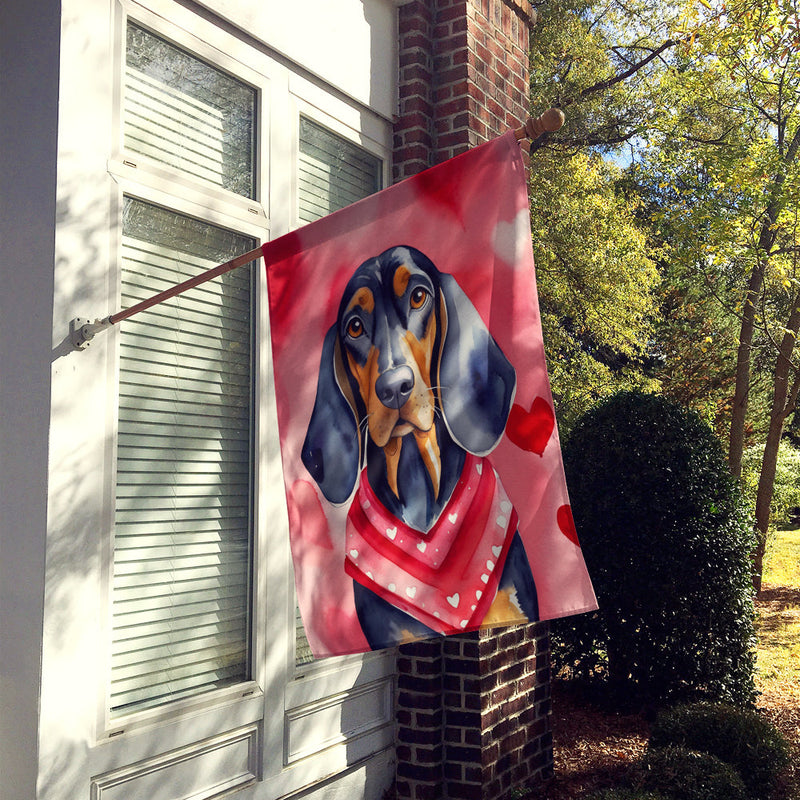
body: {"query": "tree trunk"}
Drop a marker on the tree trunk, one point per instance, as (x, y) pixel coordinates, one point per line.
(742, 388)
(766, 240)
(784, 398)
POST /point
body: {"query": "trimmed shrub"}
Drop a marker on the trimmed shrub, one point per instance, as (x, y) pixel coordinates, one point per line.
(741, 738)
(683, 774)
(666, 539)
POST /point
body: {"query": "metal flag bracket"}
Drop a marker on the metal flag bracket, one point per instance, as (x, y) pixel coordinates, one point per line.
(82, 330)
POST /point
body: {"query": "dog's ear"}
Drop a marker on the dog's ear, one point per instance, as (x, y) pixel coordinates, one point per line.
(332, 447)
(477, 381)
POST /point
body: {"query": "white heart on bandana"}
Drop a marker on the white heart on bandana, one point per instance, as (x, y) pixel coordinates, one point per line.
(391, 532)
(421, 546)
(454, 600)
(453, 517)
(411, 591)
(497, 550)
(354, 553)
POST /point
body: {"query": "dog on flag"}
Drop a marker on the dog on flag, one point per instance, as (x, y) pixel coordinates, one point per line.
(413, 394)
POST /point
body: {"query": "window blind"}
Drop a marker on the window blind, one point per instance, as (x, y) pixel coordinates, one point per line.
(333, 172)
(187, 114)
(182, 541)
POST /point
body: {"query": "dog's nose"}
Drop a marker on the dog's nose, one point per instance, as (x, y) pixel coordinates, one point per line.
(394, 386)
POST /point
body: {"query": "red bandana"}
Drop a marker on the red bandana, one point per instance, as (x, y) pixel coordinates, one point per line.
(446, 578)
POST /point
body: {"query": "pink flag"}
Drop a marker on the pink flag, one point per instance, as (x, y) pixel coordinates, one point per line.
(421, 459)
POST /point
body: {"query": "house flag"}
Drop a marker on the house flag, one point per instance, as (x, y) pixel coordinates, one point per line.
(421, 459)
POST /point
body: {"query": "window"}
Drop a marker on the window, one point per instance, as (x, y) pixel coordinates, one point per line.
(169, 636)
(183, 541)
(333, 173)
(186, 114)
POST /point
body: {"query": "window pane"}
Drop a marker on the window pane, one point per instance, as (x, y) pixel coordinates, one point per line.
(333, 173)
(182, 112)
(183, 540)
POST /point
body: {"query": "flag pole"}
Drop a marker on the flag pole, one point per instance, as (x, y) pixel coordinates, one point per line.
(82, 331)
(179, 288)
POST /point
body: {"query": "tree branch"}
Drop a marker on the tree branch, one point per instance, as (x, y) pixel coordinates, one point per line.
(601, 86)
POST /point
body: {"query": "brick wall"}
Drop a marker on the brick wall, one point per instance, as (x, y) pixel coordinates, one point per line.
(473, 711)
(473, 715)
(463, 77)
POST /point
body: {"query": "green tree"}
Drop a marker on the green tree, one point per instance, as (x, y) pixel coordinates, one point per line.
(723, 164)
(596, 280)
(704, 98)
(598, 60)
(597, 277)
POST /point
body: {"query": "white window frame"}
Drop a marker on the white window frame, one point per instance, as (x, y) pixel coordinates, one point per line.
(137, 177)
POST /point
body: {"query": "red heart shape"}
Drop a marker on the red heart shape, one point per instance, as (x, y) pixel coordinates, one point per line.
(567, 524)
(531, 430)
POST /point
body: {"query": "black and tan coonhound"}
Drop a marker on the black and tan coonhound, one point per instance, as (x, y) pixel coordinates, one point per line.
(411, 382)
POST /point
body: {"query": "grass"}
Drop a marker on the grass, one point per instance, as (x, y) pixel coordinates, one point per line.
(778, 648)
(782, 559)
(778, 623)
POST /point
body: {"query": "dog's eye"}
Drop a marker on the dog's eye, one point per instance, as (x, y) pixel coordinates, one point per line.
(355, 328)
(418, 297)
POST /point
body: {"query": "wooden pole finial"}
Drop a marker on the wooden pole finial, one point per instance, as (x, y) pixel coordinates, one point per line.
(534, 127)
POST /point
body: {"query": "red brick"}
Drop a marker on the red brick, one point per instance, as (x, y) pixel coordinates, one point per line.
(440, 31)
(465, 791)
(459, 25)
(414, 88)
(417, 103)
(453, 772)
(455, 12)
(441, 62)
(417, 73)
(428, 719)
(419, 736)
(455, 74)
(414, 39)
(453, 141)
(410, 121)
(455, 106)
(463, 753)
